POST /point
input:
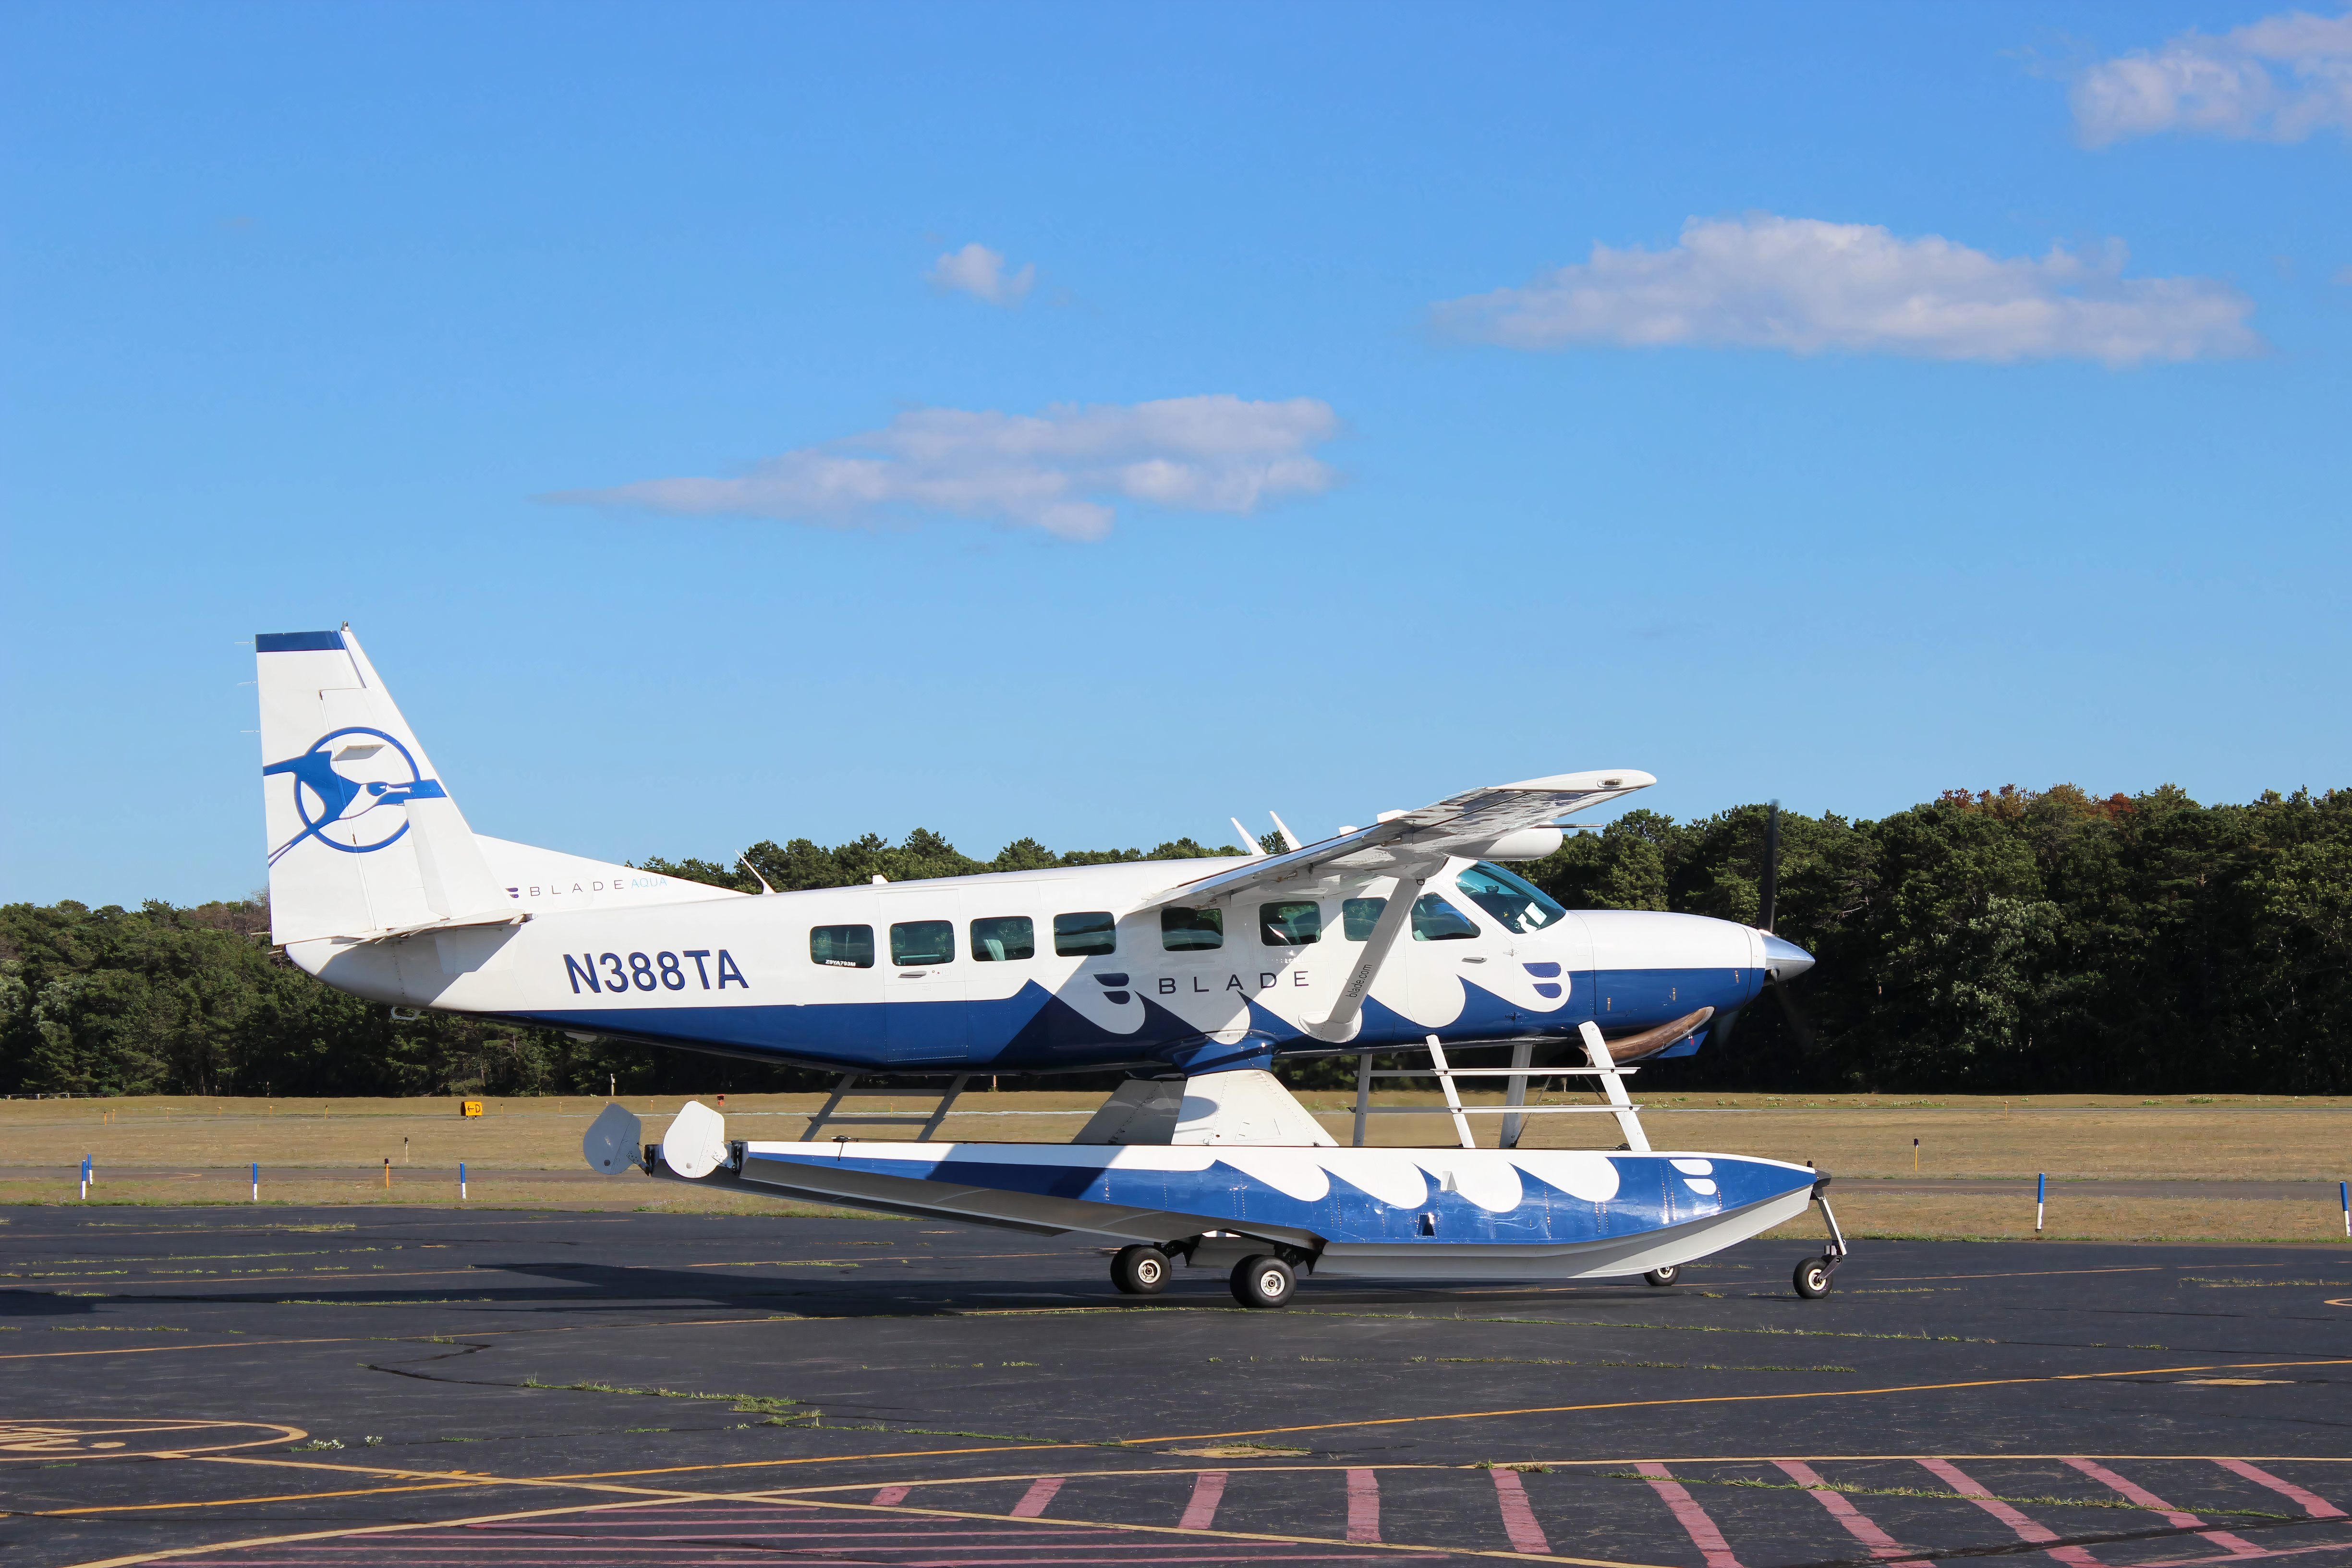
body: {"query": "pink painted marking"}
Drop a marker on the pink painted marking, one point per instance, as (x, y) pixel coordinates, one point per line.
(2179, 1520)
(2317, 1507)
(1857, 1525)
(1518, 1516)
(1363, 1506)
(2040, 1535)
(891, 1497)
(1692, 1518)
(1035, 1500)
(1207, 1491)
(2240, 1557)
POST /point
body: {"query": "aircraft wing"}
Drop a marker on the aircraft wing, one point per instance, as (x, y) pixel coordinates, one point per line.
(1416, 843)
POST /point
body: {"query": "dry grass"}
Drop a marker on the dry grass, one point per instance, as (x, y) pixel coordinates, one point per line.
(194, 1150)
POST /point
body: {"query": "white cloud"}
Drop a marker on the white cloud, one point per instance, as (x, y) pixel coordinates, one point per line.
(1810, 287)
(2278, 79)
(1061, 470)
(980, 272)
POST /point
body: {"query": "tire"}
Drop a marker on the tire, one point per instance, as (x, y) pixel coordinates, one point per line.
(1662, 1275)
(1139, 1270)
(1813, 1279)
(1264, 1280)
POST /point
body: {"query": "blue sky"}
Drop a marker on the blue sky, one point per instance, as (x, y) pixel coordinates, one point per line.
(628, 378)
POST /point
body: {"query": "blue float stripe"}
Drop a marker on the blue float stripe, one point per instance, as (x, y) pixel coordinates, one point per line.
(298, 642)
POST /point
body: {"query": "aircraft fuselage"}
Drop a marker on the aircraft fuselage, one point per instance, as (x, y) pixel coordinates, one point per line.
(1055, 969)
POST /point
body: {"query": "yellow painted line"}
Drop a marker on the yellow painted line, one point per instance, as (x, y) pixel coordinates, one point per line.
(157, 1350)
(233, 1278)
(660, 1498)
(247, 1282)
(2050, 1273)
(410, 1339)
(1725, 1399)
(253, 1541)
(871, 1257)
(237, 1502)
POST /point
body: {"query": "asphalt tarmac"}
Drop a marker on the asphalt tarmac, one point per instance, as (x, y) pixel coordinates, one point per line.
(288, 1386)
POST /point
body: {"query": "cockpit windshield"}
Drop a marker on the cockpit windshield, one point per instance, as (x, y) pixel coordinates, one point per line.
(1516, 903)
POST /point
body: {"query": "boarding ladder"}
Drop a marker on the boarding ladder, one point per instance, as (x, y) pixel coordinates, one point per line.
(1515, 1107)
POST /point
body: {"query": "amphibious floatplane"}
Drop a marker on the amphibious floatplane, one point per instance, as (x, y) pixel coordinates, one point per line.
(1193, 975)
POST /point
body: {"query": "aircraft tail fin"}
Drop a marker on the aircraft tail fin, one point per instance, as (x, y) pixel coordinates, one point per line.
(364, 838)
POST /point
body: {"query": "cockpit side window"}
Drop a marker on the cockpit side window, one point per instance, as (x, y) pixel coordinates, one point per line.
(1516, 904)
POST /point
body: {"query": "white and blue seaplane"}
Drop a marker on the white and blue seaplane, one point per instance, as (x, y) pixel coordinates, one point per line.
(1195, 976)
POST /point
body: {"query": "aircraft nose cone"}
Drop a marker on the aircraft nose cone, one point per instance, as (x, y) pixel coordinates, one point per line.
(1786, 960)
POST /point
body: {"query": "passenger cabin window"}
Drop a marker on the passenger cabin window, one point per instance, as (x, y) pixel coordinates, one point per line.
(1516, 904)
(1358, 916)
(1290, 924)
(914, 944)
(1190, 931)
(842, 947)
(1003, 937)
(1434, 920)
(1084, 935)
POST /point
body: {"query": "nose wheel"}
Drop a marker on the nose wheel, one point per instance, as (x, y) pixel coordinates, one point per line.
(1816, 1276)
(1662, 1275)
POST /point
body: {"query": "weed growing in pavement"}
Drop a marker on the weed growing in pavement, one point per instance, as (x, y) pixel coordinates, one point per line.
(2206, 1283)
(316, 1445)
(778, 1411)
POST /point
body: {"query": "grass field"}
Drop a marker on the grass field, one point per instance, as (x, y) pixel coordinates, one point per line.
(526, 1153)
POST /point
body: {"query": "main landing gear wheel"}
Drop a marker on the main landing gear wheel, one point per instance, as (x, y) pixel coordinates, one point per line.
(1139, 1270)
(1813, 1279)
(1264, 1281)
(1662, 1275)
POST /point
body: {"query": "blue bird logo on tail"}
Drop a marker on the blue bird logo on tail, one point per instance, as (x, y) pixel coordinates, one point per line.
(326, 797)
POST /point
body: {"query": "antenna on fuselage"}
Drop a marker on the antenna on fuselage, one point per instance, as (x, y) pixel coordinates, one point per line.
(1284, 828)
(1247, 842)
(755, 874)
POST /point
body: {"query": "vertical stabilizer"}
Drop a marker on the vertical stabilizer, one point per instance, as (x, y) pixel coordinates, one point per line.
(363, 836)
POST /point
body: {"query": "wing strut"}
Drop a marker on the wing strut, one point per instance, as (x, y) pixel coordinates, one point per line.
(1385, 930)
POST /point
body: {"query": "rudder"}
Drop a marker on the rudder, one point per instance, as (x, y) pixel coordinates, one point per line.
(364, 838)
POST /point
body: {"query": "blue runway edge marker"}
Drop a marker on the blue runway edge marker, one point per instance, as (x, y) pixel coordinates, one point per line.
(2040, 1196)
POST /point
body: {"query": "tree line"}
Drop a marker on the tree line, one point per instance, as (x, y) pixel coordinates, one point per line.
(1994, 942)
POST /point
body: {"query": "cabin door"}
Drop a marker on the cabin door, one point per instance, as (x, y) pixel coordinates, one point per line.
(925, 977)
